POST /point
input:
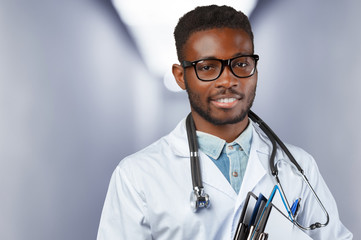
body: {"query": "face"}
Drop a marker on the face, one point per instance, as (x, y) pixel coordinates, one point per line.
(227, 99)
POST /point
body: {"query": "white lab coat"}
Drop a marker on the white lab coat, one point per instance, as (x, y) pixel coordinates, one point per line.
(149, 193)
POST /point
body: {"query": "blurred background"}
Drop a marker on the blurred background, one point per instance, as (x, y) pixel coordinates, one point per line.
(85, 83)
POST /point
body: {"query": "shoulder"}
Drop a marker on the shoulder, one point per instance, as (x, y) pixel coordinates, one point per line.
(158, 153)
(143, 156)
(139, 170)
(303, 158)
(263, 144)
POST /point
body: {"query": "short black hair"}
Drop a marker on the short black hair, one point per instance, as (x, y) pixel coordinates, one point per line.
(206, 18)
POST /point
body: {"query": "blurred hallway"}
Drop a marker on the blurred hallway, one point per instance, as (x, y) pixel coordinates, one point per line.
(76, 97)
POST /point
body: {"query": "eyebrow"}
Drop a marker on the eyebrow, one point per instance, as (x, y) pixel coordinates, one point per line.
(241, 54)
(233, 56)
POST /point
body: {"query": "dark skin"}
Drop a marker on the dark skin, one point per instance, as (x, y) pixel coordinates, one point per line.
(221, 43)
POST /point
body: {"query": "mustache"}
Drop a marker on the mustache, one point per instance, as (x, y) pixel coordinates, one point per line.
(227, 91)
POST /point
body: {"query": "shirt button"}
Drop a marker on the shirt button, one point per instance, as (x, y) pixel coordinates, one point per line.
(235, 174)
(230, 147)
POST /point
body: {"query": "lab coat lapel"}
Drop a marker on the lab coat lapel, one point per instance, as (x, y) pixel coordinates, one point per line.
(257, 166)
(211, 175)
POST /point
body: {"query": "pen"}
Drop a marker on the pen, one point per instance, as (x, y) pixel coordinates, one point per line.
(295, 206)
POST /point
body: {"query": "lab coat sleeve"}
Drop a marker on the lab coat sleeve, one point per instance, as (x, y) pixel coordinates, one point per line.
(123, 215)
(335, 229)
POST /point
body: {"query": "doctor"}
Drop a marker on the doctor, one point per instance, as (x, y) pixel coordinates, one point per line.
(148, 195)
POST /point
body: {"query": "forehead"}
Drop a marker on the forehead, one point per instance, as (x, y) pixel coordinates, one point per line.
(220, 43)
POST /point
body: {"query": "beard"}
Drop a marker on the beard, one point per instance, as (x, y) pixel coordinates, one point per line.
(204, 110)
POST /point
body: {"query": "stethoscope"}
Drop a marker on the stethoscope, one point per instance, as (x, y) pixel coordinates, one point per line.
(199, 199)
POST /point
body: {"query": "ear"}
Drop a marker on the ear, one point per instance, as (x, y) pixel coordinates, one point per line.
(178, 73)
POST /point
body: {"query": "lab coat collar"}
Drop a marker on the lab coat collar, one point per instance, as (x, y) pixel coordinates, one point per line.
(210, 173)
(178, 141)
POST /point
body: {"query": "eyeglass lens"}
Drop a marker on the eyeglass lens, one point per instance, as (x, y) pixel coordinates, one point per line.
(210, 69)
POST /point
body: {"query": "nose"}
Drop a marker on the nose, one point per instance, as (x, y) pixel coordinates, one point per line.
(227, 79)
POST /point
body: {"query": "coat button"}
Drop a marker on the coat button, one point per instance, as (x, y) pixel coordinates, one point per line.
(235, 174)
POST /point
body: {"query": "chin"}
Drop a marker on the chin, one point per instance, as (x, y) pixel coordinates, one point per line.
(227, 120)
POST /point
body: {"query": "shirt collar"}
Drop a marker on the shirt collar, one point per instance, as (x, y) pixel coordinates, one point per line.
(213, 146)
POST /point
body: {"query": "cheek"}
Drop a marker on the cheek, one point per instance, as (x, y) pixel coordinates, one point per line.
(197, 86)
(251, 84)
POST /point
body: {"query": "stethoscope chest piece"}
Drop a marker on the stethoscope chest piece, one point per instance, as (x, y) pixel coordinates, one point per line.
(199, 199)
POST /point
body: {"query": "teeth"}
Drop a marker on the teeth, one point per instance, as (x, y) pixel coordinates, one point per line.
(226, 100)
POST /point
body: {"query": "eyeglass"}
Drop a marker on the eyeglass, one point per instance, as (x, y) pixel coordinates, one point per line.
(210, 69)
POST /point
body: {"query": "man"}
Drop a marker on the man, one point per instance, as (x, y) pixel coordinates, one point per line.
(148, 196)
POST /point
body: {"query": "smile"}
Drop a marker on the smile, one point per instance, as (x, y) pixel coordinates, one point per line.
(225, 102)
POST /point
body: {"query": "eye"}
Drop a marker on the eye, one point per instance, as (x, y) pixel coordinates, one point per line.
(204, 68)
(207, 66)
(240, 64)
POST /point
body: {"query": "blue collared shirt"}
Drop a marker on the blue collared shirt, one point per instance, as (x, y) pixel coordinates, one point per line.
(230, 158)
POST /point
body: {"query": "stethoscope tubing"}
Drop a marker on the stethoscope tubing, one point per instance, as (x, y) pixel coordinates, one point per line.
(276, 140)
(196, 171)
(194, 158)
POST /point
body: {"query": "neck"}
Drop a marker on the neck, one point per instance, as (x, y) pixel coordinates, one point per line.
(228, 132)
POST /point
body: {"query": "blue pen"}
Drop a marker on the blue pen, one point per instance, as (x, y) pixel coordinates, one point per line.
(295, 206)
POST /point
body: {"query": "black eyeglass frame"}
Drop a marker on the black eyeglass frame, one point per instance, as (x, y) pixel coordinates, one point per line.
(226, 62)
